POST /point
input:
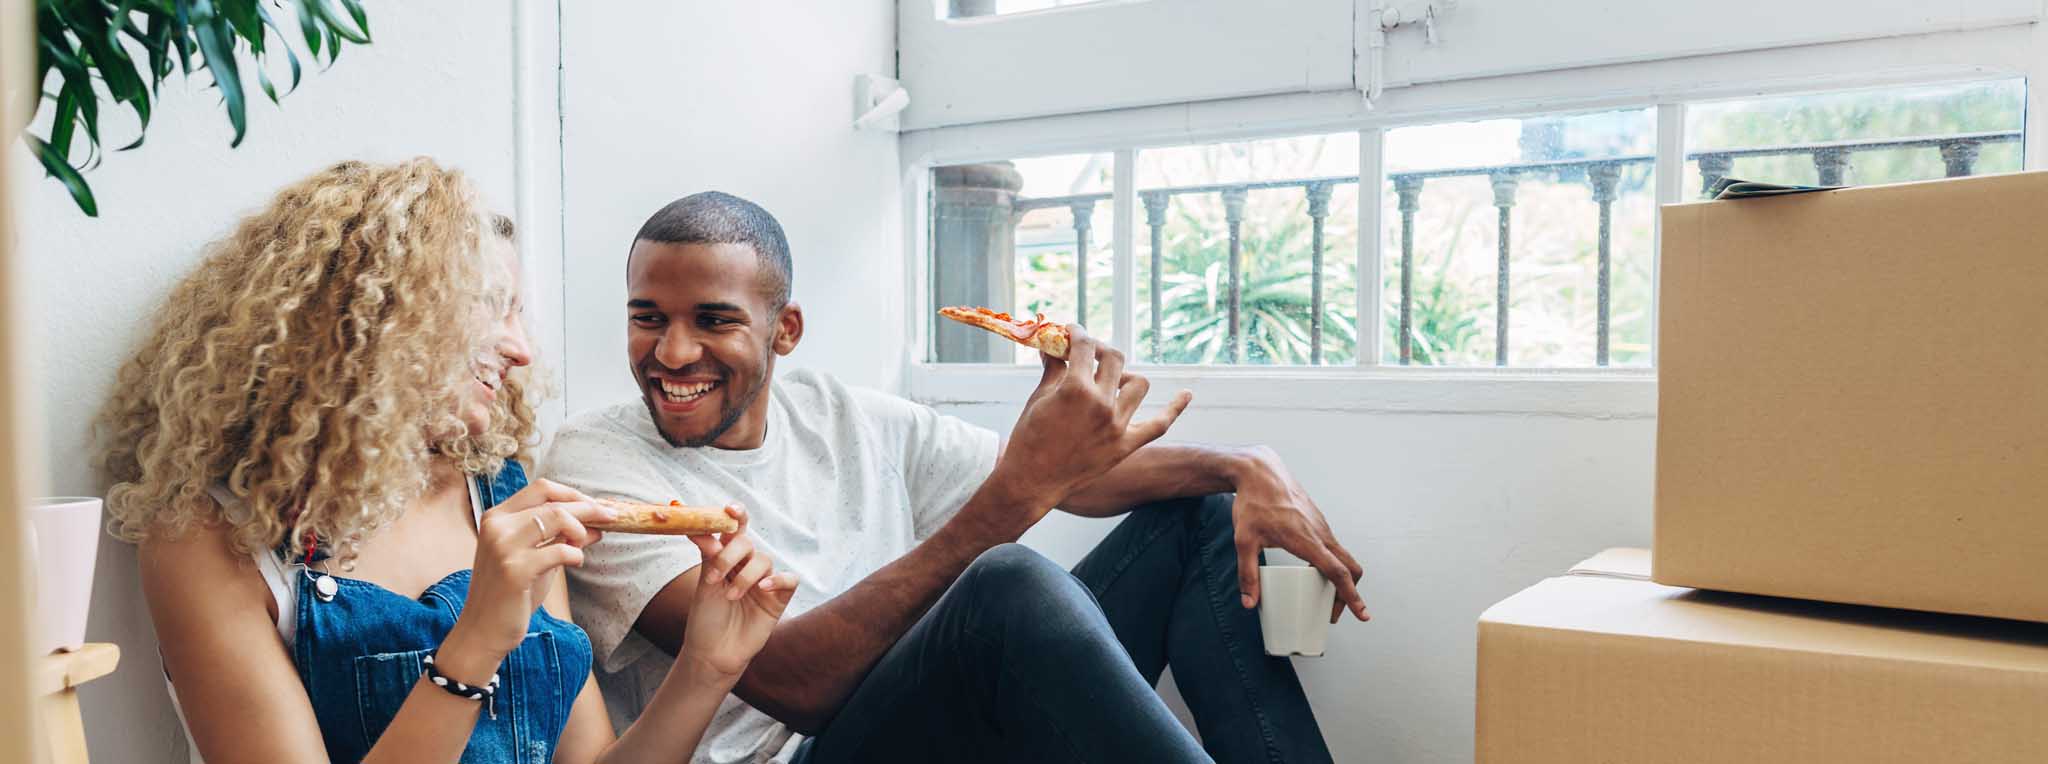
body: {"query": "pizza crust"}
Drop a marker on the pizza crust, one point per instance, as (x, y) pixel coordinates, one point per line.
(666, 520)
(1047, 337)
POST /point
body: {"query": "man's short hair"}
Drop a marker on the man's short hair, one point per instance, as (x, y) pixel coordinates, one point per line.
(716, 217)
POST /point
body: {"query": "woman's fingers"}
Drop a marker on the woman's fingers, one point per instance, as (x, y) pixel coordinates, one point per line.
(538, 492)
(737, 549)
(739, 514)
(564, 522)
(748, 576)
(707, 547)
(774, 592)
(541, 560)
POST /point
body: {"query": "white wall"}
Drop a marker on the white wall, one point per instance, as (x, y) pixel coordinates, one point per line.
(1448, 513)
(437, 81)
(661, 100)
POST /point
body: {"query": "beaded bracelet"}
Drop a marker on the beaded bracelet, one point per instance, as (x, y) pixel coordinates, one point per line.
(487, 694)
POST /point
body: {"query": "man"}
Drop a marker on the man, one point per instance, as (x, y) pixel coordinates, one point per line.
(919, 631)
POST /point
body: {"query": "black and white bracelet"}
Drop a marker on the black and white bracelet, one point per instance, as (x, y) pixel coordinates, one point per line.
(487, 694)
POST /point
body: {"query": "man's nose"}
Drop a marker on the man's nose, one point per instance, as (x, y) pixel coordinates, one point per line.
(678, 348)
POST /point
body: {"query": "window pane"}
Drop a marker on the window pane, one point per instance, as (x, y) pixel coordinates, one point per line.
(1560, 190)
(1858, 137)
(967, 9)
(1006, 235)
(1276, 192)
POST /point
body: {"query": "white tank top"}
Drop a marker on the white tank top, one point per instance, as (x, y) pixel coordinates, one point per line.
(280, 578)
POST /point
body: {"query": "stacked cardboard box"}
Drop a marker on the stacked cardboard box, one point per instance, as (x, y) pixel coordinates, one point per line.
(1853, 396)
(1853, 408)
(1605, 666)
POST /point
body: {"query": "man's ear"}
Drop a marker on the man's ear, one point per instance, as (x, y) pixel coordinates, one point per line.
(789, 328)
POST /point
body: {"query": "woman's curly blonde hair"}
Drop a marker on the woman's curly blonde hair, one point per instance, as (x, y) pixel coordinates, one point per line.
(313, 365)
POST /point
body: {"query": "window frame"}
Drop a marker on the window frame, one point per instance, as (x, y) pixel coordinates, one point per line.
(1613, 392)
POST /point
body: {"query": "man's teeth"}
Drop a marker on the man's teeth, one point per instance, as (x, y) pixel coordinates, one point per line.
(679, 392)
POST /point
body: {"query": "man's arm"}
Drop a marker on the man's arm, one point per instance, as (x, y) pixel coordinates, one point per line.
(1271, 509)
(815, 660)
(1157, 472)
(1076, 426)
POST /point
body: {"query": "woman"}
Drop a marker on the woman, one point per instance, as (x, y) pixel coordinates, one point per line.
(314, 450)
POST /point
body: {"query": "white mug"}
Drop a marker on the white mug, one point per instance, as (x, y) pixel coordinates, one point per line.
(1294, 609)
(65, 533)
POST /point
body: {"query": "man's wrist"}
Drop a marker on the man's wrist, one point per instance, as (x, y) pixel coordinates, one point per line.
(1236, 465)
(995, 514)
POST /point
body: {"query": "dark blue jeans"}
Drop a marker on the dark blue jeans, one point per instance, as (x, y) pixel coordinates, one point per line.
(1022, 661)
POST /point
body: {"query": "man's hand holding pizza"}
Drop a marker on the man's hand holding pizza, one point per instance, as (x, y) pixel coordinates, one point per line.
(1077, 425)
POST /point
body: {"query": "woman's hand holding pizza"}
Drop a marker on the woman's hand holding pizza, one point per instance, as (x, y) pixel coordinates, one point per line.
(738, 601)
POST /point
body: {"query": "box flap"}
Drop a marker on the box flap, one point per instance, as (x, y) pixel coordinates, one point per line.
(1602, 605)
(1620, 562)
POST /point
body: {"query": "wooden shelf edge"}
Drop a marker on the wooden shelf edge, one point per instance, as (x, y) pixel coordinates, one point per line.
(57, 672)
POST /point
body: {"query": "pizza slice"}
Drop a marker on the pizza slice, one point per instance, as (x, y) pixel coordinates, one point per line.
(672, 519)
(1049, 338)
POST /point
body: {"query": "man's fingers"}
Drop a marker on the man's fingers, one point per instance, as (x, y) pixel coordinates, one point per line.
(1080, 353)
(1347, 590)
(1248, 574)
(1130, 394)
(1109, 369)
(1054, 369)
(1344, 556)
(1351, 566)
(739, 513)
(1150, 430)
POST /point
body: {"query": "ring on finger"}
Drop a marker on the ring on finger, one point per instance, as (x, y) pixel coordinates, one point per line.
(545, 536)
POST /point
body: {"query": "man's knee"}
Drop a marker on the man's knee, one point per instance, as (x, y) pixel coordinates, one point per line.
(1013, 571)
(1031, 598)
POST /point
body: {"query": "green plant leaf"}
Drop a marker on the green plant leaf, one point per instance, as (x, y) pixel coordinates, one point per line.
(309, 25)
(54, 164)
(336, 26)
(116, 68)
(64, 122)
(333, 46)
(182, 37)
(243, 19)
(355, 11)
(89, 111)
(289, 56)
(124, 50)
(218, 49)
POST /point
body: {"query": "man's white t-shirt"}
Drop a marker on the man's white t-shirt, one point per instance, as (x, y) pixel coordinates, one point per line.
(846, 481)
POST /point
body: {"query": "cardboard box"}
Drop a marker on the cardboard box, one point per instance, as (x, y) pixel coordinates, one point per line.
(1596, 667)
(1853, 396)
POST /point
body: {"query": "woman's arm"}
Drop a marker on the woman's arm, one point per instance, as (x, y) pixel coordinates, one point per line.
(669, 731)
(736, 602)
(241, 697)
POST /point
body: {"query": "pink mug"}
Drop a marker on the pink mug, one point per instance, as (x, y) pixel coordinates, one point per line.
(64, 543)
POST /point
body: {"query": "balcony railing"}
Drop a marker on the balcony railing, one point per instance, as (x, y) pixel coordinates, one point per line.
(1602, 176)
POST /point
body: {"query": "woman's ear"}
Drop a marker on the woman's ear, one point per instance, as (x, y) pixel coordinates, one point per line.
(789, 328)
